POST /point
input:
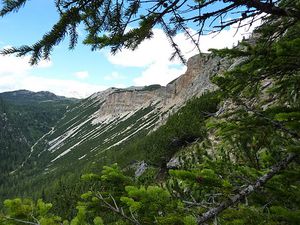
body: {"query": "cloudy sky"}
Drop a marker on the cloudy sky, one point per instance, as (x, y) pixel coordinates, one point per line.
(81, 72)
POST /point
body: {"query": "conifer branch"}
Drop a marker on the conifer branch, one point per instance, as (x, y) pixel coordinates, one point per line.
(274, 170)
(276, 124)
(20, 221)
(269, 8)
(116, 209)
(11, 6)
(106, 21)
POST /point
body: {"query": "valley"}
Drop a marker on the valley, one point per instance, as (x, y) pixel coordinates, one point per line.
(107, 121)
(220, 143)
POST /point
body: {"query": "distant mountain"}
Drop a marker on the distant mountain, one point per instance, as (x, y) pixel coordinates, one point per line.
(24, 97)
(25, 117)
(109, 120)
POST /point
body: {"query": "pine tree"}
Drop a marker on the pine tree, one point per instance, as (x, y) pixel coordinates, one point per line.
(252, 177)
(107, 21)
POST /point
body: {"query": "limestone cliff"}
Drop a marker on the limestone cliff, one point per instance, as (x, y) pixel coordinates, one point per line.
(111, 117)
(194, 82)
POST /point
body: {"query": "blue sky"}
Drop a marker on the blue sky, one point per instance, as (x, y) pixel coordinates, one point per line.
(81, 72)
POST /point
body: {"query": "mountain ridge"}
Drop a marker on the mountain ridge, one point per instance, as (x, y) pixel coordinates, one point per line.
(194, 82)
(94, 129)
(24, 118)
(28, 92)
(109, 118)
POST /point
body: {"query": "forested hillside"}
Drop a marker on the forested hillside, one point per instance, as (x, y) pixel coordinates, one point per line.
(228, 156)
(24, 118)
(111, 126)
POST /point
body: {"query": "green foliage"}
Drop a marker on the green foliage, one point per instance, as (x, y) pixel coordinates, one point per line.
(24, 118)
(152, 87)
(262, 125)
(80, 218)
(285, 215)
(106, 22)
(223, 150)
(20, 211)
(263, 91)
(181, 129)
(148, 177)
(189, 220)
(188, 192)
(244, 215)
(98, 221)
(140, 203)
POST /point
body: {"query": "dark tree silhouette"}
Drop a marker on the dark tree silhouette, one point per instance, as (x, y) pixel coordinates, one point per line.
(107, 22)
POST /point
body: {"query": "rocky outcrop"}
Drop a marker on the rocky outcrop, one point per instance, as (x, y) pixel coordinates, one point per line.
(114, 116)
(141, 167)
(125, 101)
(196, 79)
(194, 82)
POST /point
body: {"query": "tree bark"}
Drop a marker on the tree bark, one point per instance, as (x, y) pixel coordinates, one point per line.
(247, 190)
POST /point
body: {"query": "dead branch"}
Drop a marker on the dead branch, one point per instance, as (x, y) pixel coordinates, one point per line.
(247, 190)
(18, 220)
(116, 209)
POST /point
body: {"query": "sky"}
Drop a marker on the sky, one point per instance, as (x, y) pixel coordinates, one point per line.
(82, 72)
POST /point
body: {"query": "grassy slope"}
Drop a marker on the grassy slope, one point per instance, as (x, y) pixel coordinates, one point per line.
(156, 148)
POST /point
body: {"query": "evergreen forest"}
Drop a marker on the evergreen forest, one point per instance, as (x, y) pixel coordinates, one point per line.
(229, 156)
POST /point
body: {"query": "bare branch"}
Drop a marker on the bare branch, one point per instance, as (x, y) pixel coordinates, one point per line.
(247, 190)
(107, 21)
(20, 221)
(268, 8)
(116, 209)
(276, 124)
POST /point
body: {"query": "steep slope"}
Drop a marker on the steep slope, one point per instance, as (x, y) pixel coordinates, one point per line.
(113, 117)
(25, 117)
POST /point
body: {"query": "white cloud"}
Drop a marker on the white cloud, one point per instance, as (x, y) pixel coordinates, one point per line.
(227, 38)
(148, 52)
(82, 75)
(8, 65)
(44, 64)
(153, 55)
(158, 73)
(68, 88)
(15, 73)
(114, 76)
(18, 65)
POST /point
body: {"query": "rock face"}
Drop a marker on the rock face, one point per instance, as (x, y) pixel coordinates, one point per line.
(194, 82)
(111, 117)
(122, 101)
(141, 168)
